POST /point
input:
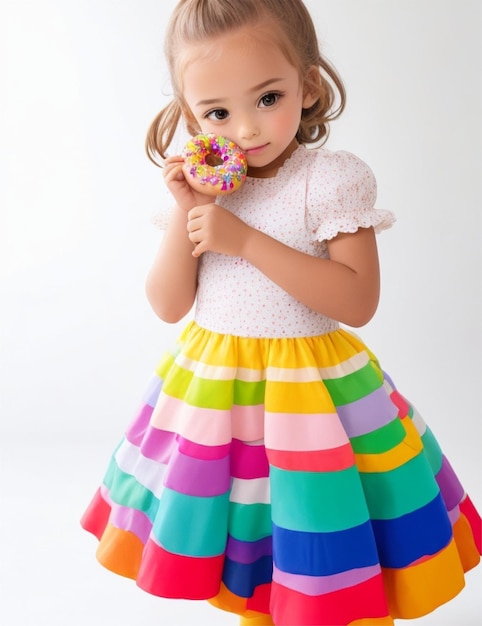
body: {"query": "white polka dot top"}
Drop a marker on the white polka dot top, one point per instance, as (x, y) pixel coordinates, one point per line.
(314, 196)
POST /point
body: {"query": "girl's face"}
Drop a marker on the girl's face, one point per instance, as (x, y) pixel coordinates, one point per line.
(244, 88)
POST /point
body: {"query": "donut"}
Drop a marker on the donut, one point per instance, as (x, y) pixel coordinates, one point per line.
(213, 164)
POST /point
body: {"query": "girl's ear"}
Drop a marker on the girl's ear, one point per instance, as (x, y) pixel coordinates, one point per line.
(311, 86)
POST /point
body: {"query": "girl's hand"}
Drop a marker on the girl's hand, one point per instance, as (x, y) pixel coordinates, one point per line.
(211, 227)
(183, 193)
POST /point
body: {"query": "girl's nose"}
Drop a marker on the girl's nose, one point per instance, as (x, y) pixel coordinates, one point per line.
(249, 129)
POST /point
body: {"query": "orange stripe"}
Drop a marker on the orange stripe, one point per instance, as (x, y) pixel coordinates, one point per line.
(468, 552)
(120, 551)
(418, 589)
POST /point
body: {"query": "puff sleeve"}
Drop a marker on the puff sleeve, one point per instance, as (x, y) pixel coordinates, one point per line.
(341, 194)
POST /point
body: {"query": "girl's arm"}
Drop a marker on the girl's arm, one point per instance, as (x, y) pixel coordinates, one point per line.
(172, 281)
(344, 287)
(171, 284)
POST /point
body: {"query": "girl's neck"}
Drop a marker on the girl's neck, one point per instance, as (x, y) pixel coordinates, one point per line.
(271, 169)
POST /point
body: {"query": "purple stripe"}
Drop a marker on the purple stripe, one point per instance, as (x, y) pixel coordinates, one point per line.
(248, 551)
(454, 515)
(128, 519)
(319, 585)
(152, 391)
(248, 461)
(153, 443)
(196, 477)
(450, 487)
(367, 414)
(158, 445)
(137, 428)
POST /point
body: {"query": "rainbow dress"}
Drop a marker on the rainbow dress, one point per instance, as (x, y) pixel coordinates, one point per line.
(273, 467)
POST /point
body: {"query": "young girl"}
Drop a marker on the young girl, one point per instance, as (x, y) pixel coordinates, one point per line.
(273, 467)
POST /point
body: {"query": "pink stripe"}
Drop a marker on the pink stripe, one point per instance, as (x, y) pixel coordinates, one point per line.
(304, 431)
(208, 427)
(248, 422)
(195, 477)
(198, 451)
(320, 585)
(248, 461)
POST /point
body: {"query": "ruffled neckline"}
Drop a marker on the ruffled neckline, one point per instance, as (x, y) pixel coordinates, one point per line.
(286, 167)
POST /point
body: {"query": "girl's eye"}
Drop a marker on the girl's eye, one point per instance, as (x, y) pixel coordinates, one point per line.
(218, 115)
(269, 99)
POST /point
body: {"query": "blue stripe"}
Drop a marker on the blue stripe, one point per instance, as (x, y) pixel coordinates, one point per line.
(242, 579)
(406, 539)
(324, 554)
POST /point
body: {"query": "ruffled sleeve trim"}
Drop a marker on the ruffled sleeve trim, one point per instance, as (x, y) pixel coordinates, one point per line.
(341, 195)
(378, 219)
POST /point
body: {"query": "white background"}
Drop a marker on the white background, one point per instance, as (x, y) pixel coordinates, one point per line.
(80, 83)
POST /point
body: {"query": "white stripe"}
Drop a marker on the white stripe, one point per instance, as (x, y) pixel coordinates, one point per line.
(418, 422)
(147, 472)
(275, 374)
(219, 372)
(250, 491)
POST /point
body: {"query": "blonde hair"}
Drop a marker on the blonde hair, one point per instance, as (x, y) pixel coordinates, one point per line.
(195, 21)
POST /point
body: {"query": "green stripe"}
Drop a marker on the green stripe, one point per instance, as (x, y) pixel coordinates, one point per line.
(249, 522)
(380, 440)
(192, 525)
(165, 364)
(212, 394)
(432, 451)
(249, 394)
(400, 491)
(317, 501)
(125, 490)
(200, 392)
(353, 387)
(177, 382)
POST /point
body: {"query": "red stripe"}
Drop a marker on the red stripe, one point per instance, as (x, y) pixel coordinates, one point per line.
(96, 516)
(176, 576)
(260, 599)
(401, 404)
(366, 600)
(331, 460)
(470, 512)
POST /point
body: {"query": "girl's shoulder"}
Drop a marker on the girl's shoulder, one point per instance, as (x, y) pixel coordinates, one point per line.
(337, 165)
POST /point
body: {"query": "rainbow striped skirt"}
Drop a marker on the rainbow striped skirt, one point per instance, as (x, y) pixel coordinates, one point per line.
(284, 476)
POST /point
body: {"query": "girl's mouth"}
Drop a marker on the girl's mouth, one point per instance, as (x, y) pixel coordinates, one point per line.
(255, 150)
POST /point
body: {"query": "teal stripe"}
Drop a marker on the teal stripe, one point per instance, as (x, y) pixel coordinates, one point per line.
(432, 451)
(125, 490)
(353, 387)
(317, 501)
(249, 522)
(401, 490)
(380, 440)
(190, 525)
